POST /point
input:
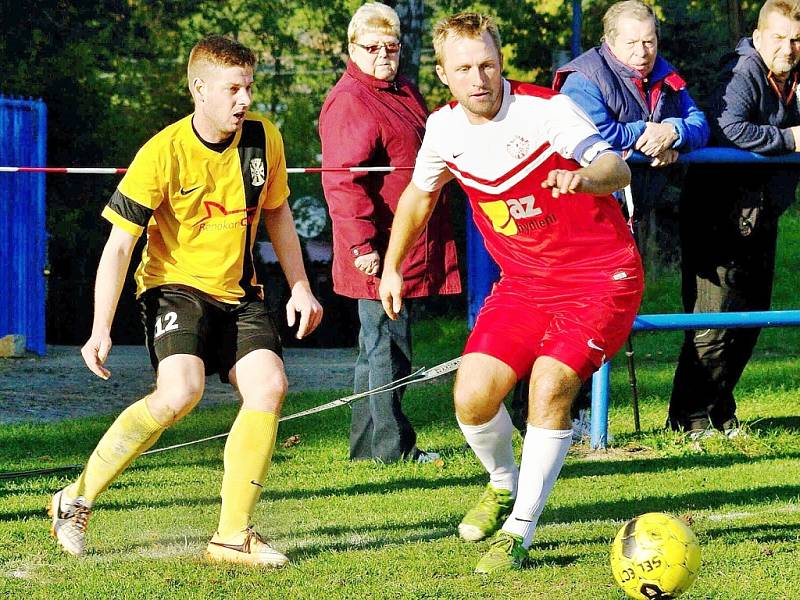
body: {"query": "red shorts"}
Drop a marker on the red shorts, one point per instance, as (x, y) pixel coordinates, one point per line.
(580, 324)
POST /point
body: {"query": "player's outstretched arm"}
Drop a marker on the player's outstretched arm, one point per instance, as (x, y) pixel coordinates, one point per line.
(108, 285)
(283, 235)
(606, 174)
(413, 211)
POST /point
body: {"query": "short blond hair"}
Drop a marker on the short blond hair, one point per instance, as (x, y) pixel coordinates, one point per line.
(632, 9)
(785, 8)
(469, 25)
(373, 17)
(219, 51)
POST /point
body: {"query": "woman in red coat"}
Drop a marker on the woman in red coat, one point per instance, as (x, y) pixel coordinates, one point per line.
(375, 117)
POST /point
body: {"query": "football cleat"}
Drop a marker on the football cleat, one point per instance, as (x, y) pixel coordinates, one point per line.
(247, 547)
(70, 519)
(487, 515)
(505, 553)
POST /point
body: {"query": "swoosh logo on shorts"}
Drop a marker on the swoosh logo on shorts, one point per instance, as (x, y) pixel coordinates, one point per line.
(591, 343)
(190, 190)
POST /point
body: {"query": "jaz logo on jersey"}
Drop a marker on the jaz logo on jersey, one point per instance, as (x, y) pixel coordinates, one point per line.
(257, 172)
(518, 147)
(511, 216)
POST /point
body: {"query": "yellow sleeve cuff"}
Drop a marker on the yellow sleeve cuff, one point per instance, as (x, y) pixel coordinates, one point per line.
(273, 203)
(116, 219)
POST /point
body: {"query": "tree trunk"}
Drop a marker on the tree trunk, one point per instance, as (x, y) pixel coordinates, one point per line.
(411, 13)
(734, 22)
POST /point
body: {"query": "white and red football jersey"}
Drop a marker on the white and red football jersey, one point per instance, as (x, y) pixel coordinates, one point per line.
(501, 165)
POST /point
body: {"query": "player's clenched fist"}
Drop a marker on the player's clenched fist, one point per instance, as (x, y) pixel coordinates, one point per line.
(562, 181)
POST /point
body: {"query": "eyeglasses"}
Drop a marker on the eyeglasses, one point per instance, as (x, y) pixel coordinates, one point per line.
(391, 48)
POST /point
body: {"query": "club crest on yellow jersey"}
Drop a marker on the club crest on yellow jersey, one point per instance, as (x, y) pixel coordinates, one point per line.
(257, 172)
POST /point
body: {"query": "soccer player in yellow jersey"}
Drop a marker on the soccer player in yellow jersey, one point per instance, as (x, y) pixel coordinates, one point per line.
(199, 188)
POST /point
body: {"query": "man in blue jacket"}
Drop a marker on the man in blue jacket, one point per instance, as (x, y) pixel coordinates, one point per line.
(638, 101)
(729, 236)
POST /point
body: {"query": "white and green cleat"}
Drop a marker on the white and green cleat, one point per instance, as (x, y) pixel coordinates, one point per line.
(487, 516)
(506, 553)
(70, 519)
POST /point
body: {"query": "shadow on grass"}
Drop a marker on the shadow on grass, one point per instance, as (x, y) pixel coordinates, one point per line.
(404, 484)
(438, 525)
(774, 423)
(669, 502)
(22, 515)
(671, 465)
(761, 534)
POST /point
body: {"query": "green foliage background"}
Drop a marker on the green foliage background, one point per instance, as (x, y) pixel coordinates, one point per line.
(112, 73)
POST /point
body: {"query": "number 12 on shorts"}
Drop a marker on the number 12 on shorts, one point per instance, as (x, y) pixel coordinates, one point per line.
(169, 323)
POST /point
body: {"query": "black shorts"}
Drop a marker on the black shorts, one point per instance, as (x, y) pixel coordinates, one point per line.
(181, 320)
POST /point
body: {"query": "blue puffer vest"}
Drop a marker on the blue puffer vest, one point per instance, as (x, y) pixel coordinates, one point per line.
(616, 82)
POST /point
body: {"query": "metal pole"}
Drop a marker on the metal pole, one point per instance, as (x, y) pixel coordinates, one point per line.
(577, 25)
(632, 381)
(600, 384)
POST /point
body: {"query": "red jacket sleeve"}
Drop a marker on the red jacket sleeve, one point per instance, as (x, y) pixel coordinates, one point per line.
(349, 136)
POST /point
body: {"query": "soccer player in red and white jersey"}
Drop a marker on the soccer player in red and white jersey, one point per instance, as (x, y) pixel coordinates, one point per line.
(539, 179)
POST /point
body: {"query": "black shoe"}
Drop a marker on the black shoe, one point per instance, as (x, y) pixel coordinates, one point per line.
(690, 424)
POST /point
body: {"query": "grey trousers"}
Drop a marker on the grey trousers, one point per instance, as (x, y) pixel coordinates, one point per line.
(378, 428)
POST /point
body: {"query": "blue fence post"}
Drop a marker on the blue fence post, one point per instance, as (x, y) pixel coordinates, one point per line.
(23, 139)
(482, 271)
(37, 342)
(577, 25)
(601, 381)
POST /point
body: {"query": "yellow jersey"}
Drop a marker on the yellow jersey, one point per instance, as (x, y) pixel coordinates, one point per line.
(200, 207)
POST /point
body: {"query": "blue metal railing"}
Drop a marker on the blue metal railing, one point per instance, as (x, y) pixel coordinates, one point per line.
(665, 322)
(719, 155)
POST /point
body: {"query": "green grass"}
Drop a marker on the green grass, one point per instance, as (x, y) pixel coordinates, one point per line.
(370, 531)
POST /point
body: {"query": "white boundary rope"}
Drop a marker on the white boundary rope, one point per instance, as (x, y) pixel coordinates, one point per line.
(417, 376)
(116, 171)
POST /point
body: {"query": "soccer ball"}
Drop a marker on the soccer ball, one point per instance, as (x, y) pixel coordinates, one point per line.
(655, 556)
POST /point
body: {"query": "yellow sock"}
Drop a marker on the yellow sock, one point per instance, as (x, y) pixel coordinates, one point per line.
(134, 431)
(248, 453)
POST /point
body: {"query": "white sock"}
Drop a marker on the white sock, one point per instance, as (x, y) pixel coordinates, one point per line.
(543, 454)
(491, 443)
